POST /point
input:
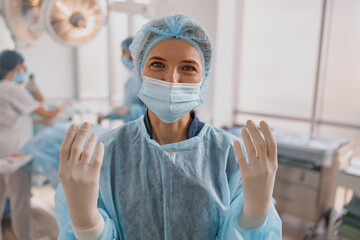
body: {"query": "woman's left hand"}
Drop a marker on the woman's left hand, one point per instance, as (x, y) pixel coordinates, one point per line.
(258, 176)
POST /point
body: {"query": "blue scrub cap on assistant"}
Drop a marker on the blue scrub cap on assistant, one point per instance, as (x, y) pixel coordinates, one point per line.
(178, 26)
(126, 43)
(9, 59)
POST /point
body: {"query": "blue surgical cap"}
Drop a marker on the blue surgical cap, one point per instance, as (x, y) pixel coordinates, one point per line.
(126, 43)
(178, 26)
(9, 59)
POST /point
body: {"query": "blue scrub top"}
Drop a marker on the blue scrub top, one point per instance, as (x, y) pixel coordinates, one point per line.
(194, 129)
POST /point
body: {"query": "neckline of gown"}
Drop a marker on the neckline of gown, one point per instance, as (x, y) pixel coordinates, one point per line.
(171, 146)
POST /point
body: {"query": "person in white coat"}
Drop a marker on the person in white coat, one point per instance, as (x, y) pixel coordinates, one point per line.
(16, 106)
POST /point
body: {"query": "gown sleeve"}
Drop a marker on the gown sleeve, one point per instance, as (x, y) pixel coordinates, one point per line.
(271, 226)
(63, 220)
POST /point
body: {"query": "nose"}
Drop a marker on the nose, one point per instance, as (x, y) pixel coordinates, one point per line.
(172, 75)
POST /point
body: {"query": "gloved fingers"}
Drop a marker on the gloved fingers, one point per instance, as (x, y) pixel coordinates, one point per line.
(257, 139)
(78, 144)
(88, 150)
(249, 146)
(67, 143)
(99, 157)
(240, 157)
(269, 140)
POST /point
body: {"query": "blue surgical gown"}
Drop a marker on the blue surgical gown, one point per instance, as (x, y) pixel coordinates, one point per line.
(186, 190)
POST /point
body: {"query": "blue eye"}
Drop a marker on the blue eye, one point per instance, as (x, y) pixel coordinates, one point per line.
(189, 68)
(157, 65)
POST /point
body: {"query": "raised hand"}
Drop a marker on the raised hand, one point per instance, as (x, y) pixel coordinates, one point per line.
(80, 178)
(258, 175)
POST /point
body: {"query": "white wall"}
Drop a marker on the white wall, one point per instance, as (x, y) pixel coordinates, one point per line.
(224, 68)
(53, 65)
(340, 99)
(5, 37)
(93, 68)
(279, 56)
(341, 71)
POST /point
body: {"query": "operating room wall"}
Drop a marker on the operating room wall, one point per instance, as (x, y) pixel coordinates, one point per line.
(339, 101)
(93, 71)
(100, 70)
(6, 41)
(278, 67)
(53, 66)
(279, 47)
(225, 62)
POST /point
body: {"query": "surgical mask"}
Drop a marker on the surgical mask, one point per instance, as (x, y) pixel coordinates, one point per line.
(127, 62)
(19, 77)
(170, 101)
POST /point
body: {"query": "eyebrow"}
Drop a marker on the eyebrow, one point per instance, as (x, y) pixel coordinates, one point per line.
(157, 58)
(191, 61)
(184, 61)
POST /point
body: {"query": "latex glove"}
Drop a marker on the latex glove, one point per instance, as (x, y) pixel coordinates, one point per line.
(79, 178)
(122, 111)
(259, 175)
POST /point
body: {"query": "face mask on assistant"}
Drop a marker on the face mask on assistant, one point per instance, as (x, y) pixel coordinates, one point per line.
(170, 101)
(19, 77)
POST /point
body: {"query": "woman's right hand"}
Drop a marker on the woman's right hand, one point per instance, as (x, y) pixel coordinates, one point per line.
(80, 178)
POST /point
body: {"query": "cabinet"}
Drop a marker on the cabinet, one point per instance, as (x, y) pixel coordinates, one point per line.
(308, 193)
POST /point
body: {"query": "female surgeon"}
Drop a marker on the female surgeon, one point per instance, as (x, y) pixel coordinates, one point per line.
(167, 175)
(16, 106)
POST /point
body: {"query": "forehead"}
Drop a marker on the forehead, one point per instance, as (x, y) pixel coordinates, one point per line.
(21, 64)
(175, 49)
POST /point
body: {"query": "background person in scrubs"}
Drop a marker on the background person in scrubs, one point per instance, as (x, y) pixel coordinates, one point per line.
(16, 106)
(133, 107)
(32, 88)
(167, 175)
